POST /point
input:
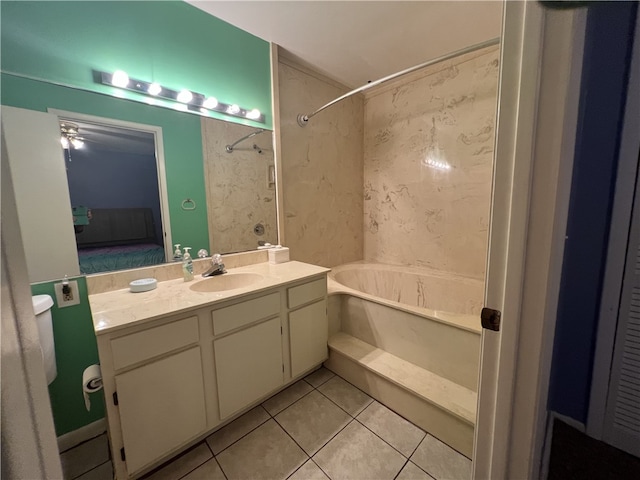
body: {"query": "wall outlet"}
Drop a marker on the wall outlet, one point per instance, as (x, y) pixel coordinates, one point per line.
(65, 297)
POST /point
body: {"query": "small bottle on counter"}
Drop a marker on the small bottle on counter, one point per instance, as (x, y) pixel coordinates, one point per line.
(187, 265)
(177, 254)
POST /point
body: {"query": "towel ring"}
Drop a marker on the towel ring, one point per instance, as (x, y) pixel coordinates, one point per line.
(188, 204)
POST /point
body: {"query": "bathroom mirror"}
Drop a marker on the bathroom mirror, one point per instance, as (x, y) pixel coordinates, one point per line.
(219, 201)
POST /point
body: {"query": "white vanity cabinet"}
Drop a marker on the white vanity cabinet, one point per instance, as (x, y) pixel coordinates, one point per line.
(158, 389)
(308, 327)
(248, 361)
(170, 381)
(161, 405)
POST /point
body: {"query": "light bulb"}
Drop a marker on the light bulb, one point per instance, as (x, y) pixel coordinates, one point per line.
(64, 142)
(210, 103)
(120, 79)
(185, 96)
(233, 109)
(154, 89)
(253, 114)
(77, 144)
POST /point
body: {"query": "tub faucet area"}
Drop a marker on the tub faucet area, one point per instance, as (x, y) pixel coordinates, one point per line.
(217, 268)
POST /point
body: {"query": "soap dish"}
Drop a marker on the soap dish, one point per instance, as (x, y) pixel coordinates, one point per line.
(143, 285)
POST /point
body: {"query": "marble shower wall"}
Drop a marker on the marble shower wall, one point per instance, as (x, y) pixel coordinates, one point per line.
(239, 187)
(428, 159)
(322, 167)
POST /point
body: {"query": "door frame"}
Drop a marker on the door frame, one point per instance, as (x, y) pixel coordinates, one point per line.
(541, 55)
(156, 131)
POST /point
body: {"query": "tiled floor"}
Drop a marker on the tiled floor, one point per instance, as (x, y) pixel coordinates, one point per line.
(321, 427)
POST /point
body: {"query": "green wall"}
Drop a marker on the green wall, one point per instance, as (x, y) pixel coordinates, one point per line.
(49, 46)
(76, 349)
(172, 43)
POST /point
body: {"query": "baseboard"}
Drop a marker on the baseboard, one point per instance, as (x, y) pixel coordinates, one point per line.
(581, 427)
(82, 434)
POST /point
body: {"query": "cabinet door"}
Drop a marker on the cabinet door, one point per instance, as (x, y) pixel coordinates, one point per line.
(161, 405)
(248, 365)
(308, 334)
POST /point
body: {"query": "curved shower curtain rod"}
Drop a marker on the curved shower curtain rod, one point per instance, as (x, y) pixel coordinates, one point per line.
(229, 148)
(304, 119)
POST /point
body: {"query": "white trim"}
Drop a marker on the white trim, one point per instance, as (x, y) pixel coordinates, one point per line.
(156, 131)
(277, 141)
(82, 434)
(617, 250)
(538, 108)
(517, 95)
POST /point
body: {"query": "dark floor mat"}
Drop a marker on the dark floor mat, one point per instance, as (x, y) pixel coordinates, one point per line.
(575, 455)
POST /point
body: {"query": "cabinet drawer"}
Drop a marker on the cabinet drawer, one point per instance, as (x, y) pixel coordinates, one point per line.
(308, 292)
(228, 318)
(155, 341)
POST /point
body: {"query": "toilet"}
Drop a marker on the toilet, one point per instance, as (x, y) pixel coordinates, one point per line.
(42, 308)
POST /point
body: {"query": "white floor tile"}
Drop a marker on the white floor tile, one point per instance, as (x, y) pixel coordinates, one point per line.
(345, 395)
(85, 457)
(412, 472)
(237, 429)
(317, 378)
(312, 421)
(441, 461)
(103, 472)
(356, 453)
(309, 471)
(210, 470)
(183, 464)
(282, 400)
(392, 428)
(266, 453)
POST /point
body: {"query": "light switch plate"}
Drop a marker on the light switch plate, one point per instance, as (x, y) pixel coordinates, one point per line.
(73, 298)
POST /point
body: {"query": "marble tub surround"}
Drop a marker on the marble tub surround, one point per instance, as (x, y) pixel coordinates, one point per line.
(120, 308)
(428, 159)
(381, 280)
(396, 344)
(322, 166)
(107, 282)
(240, 193)
(416, 287)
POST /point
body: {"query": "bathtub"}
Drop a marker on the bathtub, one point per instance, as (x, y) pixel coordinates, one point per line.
(427, 318)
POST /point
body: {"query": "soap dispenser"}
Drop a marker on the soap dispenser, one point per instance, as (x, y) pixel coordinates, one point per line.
(177, 254)
(187, 265)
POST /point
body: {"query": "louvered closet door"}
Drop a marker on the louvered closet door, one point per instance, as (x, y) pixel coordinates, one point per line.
(622, 420)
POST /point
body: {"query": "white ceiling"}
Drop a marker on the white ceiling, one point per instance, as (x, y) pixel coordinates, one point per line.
(357, 41)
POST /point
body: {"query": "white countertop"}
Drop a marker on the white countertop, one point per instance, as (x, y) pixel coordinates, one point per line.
(121, 308)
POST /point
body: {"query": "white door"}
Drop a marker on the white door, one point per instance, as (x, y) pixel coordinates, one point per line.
(42, 193)
(162, 406)
(29, 447)
(622, 415)
(541, 56)
(248, 365)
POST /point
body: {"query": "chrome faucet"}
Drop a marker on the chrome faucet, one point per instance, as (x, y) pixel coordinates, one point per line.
(217, 268)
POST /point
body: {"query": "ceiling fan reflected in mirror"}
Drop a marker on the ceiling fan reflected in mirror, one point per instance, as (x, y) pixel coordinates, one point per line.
(70, 136)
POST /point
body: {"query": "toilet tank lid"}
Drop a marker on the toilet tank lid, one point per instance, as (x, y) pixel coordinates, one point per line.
(41, 303)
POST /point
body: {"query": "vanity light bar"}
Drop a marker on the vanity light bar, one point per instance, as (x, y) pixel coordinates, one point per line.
(189, 100)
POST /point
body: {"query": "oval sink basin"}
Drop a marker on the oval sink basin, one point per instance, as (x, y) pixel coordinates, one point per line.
(226, 281)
